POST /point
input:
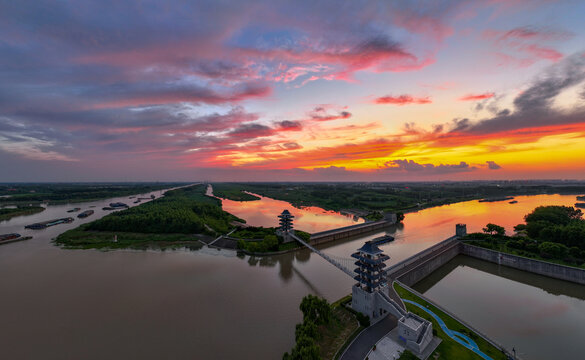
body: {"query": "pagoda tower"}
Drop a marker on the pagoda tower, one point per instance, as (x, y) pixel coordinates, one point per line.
(286, 221)
(370, 267)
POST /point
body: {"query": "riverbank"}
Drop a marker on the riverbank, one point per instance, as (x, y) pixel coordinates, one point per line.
(182, 218)
(389, 197)
(82, 238)
(9, 213)
(326, 330)
(502, 246)
(540, 267)
(59, 193)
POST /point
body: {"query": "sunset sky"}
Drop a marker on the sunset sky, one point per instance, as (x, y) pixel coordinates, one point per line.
(291, 90)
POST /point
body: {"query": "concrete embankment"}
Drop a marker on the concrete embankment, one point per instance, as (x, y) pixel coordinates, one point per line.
(417, 267)
(348, 231)
(455, 317)
(556, 271)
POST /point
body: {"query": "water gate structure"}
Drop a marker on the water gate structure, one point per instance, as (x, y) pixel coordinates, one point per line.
(372, 296)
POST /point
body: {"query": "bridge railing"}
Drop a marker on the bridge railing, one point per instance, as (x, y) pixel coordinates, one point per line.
(324, 256)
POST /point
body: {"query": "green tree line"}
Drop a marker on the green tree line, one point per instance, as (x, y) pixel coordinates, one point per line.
(186, 211)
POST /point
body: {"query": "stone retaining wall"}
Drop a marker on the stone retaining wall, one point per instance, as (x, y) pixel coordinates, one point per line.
(556, 271)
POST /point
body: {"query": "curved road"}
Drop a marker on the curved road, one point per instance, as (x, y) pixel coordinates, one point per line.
(362, 344)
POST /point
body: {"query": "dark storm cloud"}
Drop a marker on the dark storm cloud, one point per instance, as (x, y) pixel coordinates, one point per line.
(412, 166)
(290, 125)
(534, 106)
(492, 165)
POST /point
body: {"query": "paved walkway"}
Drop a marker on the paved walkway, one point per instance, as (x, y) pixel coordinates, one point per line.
(455, 335)
(361, 345)
(387, 348)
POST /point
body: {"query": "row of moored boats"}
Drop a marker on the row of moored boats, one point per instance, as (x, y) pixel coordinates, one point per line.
(5, 238)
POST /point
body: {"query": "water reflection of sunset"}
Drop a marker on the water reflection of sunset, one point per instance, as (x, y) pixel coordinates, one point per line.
(477, 214)
(264, 212)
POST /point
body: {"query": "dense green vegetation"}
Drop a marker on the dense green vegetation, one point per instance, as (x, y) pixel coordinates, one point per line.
(370, 199)
(407, 355)
(325, 330)
(550, 233)
(449, 348)
(176, 217)
(253, 232)
(82, 238)
(232, 192)
(8, 213)
(270, 242)
(73, 192)
(185, 211)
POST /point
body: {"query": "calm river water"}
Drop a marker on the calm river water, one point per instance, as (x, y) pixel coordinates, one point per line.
(211, 304)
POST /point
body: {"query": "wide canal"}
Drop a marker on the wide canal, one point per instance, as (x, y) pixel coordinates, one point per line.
(212, 304)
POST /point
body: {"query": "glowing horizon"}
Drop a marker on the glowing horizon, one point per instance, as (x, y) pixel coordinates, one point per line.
(292, 91)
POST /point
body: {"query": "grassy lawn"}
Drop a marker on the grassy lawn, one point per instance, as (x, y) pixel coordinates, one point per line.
(449, 348)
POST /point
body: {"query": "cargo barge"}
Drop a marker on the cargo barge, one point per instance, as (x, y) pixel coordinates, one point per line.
(494, 199)
(118, 205)
(73, 210)
(8, 238)
(382, 240)
(46, 224)
(11, 236)
(85, 214)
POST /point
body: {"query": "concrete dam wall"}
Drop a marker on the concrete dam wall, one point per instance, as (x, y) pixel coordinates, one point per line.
(348, 231)
(417, 267)
(556, 271)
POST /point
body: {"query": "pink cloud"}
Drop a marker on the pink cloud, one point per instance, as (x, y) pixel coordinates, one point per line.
(523, 46)
(321, 113)
(402, 100)
(475, 97)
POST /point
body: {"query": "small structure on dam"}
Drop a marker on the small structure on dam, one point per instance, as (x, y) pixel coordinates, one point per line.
(460, 230)
(370, 297)
(286, 226)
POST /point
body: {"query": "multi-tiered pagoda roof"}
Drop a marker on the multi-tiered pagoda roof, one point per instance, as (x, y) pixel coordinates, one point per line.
(285, 220)
(370, 266)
